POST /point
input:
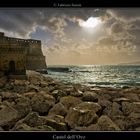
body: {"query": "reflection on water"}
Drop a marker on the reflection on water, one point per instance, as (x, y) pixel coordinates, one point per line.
(108, 75)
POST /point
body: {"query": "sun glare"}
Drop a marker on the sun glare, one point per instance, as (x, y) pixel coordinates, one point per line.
(90, 22)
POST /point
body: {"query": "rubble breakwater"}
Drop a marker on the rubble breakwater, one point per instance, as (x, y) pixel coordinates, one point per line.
(43, 104)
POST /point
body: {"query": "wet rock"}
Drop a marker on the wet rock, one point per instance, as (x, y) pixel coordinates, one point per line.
(69, 101)
(58, 109)
(42, 103)
(8, 116)
(90, 96)
(80, 117)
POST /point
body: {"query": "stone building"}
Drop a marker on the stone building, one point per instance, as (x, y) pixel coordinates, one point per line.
(18, 55)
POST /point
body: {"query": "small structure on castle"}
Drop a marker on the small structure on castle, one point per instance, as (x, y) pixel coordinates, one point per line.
(18, 55)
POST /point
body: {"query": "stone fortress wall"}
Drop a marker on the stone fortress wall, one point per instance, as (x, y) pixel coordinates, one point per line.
(23, 53)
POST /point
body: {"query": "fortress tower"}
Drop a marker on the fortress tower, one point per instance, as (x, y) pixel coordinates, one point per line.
(18, 55)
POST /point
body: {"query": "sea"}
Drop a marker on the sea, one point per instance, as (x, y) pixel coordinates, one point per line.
(98, 75)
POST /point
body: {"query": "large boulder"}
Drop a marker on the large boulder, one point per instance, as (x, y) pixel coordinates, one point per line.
(3, 81)
(120, 100)
(42, 103)
(8, 96)
(104, 103)
(80, 117)
(128, 107)
(113, 110)
(58, 109)
(56, 122)
(34, 78)
(32, 122)
(70, 101)
(90, 96)
(8, 116)
(22, 105)
(58, 94)
(132, 96)
(104, 124)
(1, 129)
(25, 127)
(132, 121)
(89, 106)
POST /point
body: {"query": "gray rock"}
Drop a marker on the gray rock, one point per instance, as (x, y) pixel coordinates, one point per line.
(77, 93)
(58, 94)
(58, 109)
(3, 81)
(25, 127)
(8, 116)
(32, 120)
(89, 106)
(22, 105)
(104, 124)
(1, 129)
(80, 117)
(119, 121)
(104, 102)
(33, 88)
(137, 129)
(113, 110)
(120, 100)
(127, 107)
(42, 102)
(132, 96)
(132, 121)
(69, 101)
(90, 96)
(58, 126)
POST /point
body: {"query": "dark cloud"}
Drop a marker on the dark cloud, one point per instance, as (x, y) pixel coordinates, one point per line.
(125, 14)
(117, 27)
(24, 21)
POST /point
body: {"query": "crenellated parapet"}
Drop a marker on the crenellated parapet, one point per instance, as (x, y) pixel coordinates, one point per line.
(22, 54)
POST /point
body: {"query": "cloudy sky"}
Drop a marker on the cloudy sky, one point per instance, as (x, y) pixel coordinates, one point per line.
(80, 35)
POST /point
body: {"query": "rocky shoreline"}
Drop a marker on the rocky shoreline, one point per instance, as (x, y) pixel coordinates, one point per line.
(44, 104)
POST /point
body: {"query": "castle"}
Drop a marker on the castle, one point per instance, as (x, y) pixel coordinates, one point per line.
(18, 55)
